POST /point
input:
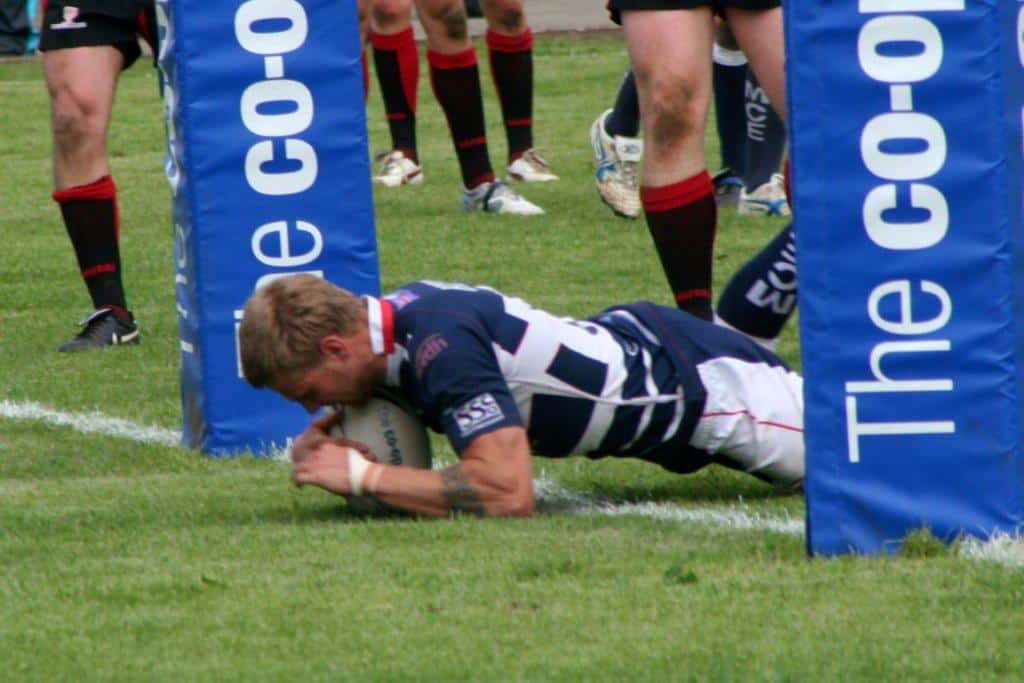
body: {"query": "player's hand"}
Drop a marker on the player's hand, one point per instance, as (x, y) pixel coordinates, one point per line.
(317, 433)
(325, 466)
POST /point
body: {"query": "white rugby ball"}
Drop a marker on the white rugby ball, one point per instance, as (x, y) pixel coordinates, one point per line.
(390, 428)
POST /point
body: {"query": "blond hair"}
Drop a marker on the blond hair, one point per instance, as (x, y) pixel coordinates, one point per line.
(284, 321)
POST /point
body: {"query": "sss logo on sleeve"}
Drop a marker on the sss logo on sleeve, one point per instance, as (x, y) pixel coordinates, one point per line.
(477, 413)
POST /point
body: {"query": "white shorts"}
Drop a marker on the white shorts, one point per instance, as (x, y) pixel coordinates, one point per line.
(753, 419)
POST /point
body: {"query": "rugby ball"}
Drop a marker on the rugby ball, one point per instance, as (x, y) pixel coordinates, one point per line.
(388, 425)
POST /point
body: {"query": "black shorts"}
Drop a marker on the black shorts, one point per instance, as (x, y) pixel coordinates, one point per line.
(718, 6)
(66, 26)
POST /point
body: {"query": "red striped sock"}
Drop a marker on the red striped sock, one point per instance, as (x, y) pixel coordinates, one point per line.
(398, 73)
(681, 218)
(511, 60)
(93, 225)
(455, 80)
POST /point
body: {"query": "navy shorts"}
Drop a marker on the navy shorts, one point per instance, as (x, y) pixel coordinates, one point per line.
(66, 26)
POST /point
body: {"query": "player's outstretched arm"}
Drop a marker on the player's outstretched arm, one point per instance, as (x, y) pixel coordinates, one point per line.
(494, 475)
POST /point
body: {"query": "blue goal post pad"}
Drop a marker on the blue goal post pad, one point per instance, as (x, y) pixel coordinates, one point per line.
(269, 172)
(906, 162)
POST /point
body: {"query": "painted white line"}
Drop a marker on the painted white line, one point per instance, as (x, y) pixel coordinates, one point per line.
(551, 496)
(90, 423)
(1001, 548)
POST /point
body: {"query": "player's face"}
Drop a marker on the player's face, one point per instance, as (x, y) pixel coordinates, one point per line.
(335, 379)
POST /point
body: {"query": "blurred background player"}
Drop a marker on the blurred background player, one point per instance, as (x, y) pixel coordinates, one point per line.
(85, 47)
(670, 44)
(456, 83)
(751, 137)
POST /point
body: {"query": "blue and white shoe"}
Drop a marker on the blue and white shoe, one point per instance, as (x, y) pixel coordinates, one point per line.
(617, 160)
(766, 200)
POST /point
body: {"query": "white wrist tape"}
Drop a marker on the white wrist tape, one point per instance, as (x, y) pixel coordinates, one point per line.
(363, 474)
(357, 468)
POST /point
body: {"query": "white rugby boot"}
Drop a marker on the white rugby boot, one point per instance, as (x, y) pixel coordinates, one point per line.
(497, 197)
(531, 168)
(617, 160)
(397, 169)
(766, 200)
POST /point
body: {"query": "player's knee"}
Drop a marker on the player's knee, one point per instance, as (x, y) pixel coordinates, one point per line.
(674, 115)
(506, 15)
(451, 16)
(72, 119)
(391, 14)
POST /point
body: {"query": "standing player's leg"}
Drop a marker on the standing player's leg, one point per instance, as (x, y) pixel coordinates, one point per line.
(81, 81)
(618, 149)
(510, 51)
(455, 79)
(671, 55)
(763, 188)
(759, 34)
(729, 72)
(398, 72)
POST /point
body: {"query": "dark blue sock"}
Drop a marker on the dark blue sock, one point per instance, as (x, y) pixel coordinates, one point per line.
(761, 296)
(625, 117)
(729, 117)
(766, 136)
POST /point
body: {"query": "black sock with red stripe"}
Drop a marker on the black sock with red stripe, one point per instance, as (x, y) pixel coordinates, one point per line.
(398, 73)
(512, 70)
(455, 80)
(91, 218)
(681, 218)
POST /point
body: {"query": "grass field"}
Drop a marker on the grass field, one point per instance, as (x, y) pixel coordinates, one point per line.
(124, 557)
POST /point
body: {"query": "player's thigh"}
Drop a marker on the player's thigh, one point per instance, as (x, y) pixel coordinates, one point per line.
(760, 36)
(81, 82)
(670, 51)
(504, 16)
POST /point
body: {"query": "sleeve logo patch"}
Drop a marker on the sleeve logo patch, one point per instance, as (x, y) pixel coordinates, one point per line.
(401, 298)
(477, 413)
(430, 349)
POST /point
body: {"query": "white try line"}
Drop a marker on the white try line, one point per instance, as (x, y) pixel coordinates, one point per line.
(90, 423)
(1001, 548)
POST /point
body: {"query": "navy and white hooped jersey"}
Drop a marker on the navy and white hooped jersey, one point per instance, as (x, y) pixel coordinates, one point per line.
(472, 360)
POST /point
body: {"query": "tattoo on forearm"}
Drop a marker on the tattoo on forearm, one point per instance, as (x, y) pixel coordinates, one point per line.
(459, 492)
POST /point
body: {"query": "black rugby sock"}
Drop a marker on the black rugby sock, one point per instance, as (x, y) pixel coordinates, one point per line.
(91, 218)
(625, 117)
(682, 219)
(456, 83)
(398, 73)
(511, 59)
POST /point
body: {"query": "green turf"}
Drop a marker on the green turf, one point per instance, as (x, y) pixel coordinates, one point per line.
(127, 561)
